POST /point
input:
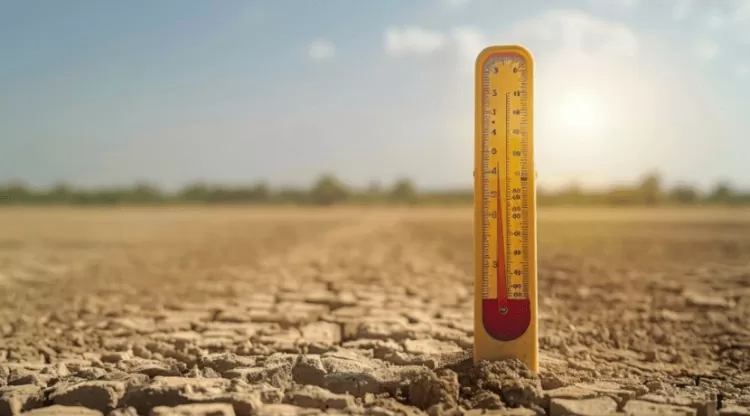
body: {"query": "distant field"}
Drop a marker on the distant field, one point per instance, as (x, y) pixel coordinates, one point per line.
(638, 214)
(642, 300)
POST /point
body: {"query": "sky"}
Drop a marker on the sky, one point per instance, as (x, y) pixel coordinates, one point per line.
(96, 93)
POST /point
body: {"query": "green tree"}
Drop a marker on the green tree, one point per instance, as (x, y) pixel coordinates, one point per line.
(622, 195)
(141, 193)
(328, 190)
(650, 189)
(17, 192)
(572, 194)
(403, 191)
(260, 192)
(722, 193)
(374, 193)
(61, 193)
(197, 192)
(684, 194)
(294, 196)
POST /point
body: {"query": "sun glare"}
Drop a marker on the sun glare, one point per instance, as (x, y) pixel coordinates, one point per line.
(580, 111)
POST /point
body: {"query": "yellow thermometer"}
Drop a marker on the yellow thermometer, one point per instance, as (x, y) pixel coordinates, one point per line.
(505, 306)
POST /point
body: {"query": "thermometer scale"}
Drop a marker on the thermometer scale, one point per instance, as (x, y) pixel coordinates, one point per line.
(505, 309)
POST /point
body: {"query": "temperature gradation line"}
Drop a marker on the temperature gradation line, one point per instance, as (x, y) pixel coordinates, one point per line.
(505, 207)
(502, 296)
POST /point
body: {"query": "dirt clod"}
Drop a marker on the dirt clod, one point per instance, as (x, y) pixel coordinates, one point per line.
(587, 407)
(431, 388)
(99, 395)
(58, 410)
(17, 399)
(510, 379)
(205, 409)
(319, 398)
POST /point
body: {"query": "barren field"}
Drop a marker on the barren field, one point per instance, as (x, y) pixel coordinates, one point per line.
(224, 311)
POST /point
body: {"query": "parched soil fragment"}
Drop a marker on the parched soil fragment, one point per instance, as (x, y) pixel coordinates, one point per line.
(431, 388)
(99, 395)
(59, 410)
(510, 379)
(17, 399)
(201, 409)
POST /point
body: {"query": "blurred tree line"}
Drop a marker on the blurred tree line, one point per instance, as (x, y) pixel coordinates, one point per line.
(329, 190)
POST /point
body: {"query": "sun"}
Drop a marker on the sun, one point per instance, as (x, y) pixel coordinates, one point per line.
(581, 111)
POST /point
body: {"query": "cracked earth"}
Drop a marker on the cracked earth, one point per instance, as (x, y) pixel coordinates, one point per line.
(243, 311)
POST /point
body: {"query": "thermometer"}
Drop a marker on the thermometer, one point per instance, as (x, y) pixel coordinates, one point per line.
(505, 307)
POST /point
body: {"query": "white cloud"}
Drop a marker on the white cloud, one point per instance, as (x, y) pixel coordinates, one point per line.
(706, 50)
(579, 32)
(470, 41)
(567, 30)
(742, 71)
(570, 32)
(321, 49)
(400, 41)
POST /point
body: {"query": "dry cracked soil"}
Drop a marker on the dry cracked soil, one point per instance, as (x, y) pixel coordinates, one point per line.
(237, 311)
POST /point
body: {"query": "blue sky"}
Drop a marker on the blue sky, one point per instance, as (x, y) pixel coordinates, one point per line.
(172, 91)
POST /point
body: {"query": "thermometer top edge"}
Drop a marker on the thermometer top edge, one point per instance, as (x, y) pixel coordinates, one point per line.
(504, 50)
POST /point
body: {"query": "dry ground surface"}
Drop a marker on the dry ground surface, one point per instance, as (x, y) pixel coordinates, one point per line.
(243, 311)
